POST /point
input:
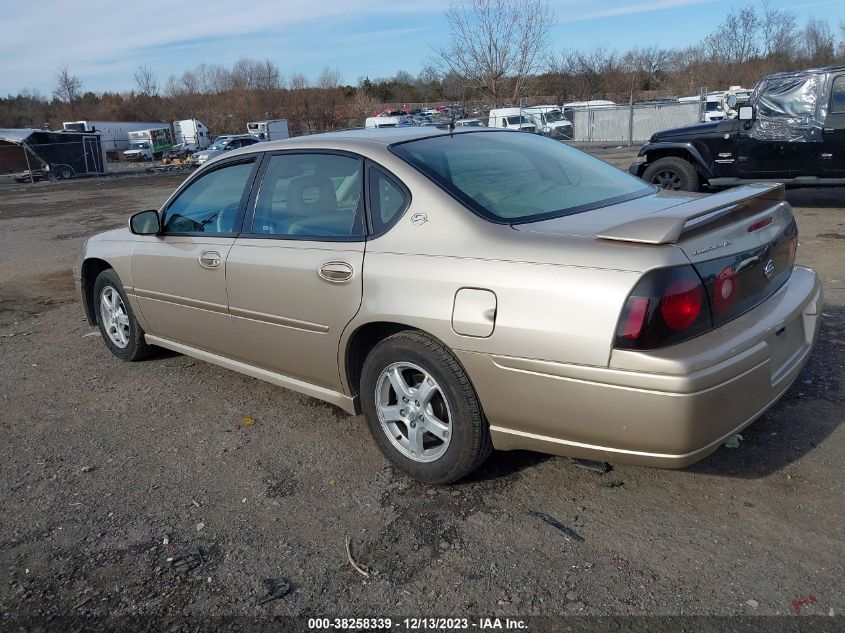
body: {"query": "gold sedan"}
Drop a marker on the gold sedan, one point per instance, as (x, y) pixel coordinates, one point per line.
(470, 290)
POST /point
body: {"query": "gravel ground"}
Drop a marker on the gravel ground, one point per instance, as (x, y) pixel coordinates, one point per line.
(109, 469)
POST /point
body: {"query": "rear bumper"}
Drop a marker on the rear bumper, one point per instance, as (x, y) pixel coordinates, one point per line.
(666, 409)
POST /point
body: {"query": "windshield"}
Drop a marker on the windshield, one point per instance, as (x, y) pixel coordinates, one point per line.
(471, 123)
(553, 116)
(139, 146)
(714, 106)
(516, 120)
(218, 146)
(514, 178)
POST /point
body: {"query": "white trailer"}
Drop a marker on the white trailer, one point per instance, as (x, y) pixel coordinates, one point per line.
(114, 135)
(272, 130)
(191, 134)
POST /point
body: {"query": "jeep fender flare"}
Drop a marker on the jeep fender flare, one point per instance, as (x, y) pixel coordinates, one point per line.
(674, 149)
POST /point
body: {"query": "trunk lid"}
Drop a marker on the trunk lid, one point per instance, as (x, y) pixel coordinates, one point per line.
(741, 242)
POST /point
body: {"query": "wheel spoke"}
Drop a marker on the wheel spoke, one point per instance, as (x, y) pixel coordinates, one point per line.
(122, 319)
(436, 427)
(415, 439)
(390, 413)
(425, 391)
(398, 381)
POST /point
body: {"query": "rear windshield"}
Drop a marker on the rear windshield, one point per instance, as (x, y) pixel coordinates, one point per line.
(515, 177)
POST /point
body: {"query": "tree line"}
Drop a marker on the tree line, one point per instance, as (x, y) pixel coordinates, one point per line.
(498, 53)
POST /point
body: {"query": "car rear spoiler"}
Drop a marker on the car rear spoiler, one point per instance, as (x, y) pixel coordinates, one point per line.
(666, 227)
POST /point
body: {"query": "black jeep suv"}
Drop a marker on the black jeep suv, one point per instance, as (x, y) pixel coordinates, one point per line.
(792, 131)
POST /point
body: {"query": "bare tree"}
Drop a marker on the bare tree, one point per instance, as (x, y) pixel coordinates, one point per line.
(735, 41)
(68, 86)
(779, 34)
(819, 42)
(145, 81)
(495, 44)
(328, 79)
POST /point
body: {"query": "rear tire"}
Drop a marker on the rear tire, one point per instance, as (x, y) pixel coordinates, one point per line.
(422, 410)
(673, 173)
(118, 326)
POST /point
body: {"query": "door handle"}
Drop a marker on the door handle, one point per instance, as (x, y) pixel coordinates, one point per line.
(336, 271)
(210, 259)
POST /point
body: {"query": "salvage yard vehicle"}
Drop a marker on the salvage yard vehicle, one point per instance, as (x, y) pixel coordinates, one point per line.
(470, 290)
(792, 131)
(271, 130)
(550, 121)
(148, 144)
(511, 119)
(221, 146)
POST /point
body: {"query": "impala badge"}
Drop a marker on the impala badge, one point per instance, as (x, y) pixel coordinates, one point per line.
(419, 219)
(769, 268)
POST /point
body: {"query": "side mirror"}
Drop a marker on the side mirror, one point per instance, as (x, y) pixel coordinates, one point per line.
(145, 223)
(746, 113)
(732, 101)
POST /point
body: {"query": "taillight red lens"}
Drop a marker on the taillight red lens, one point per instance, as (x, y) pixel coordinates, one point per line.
(637, 309)
(725, 290)
(793, 247)
(667, 306)
(681, 303)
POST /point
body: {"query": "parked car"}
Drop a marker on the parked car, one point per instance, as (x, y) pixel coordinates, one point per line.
(227, 144)
(178, 152)
(791, 131)
(470, 290)
(469, 123)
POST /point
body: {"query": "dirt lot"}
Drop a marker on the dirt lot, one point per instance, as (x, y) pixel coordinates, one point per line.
(108, 469)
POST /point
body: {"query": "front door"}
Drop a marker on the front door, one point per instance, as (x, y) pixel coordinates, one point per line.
(180, 275)
(758, 157)
(294, 275)
(833, 135)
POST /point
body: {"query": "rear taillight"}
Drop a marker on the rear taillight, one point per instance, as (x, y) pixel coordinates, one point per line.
(667, 306)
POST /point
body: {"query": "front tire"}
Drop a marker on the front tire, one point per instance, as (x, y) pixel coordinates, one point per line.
(118, 326)
(422, 410)
(673, 173)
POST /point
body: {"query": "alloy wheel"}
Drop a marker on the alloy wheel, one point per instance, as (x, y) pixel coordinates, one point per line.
(114, 316)
(413, 412)
(667, 180)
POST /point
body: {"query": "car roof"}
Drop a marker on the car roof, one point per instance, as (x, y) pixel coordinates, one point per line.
(371, 136)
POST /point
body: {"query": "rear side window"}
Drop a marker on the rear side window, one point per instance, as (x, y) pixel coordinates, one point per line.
(388, 200)
(315, 196)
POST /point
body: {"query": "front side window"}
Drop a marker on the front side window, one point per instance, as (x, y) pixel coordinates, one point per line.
(310, 196)
(513, 178)
(210, 204)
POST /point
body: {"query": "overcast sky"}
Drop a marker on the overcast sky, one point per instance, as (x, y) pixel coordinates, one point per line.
(105, 42)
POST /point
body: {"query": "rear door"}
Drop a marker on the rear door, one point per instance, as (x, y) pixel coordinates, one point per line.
(295, 274)
(833, 135)
(180, 275)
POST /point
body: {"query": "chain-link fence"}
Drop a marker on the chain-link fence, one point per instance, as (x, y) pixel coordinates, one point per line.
(630, 123)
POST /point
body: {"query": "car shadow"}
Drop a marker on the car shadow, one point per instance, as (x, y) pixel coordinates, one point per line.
(503, 464)
(810, 410)
(816, 197)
